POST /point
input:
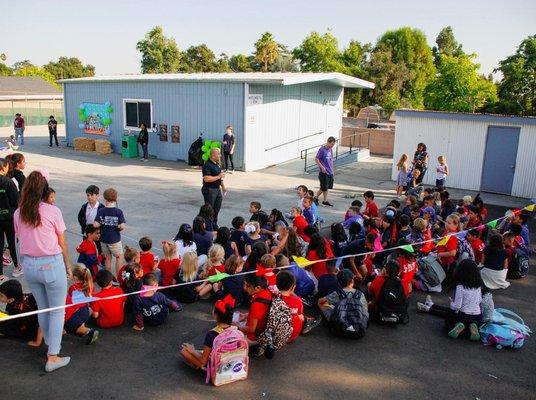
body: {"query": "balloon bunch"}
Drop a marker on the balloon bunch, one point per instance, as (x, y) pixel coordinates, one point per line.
(207, 146)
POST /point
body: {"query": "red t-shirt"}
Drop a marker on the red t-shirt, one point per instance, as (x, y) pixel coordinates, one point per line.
(318, 269)
(259, 311)
(478, 248)
(147, 262)
(69, 311)
(111, 312)
(212, 270)
(408, 268)
(168, 268)
(87, 247)
(119, 277)
(375, 290)
(371, 209)
(296, 309)
(452, 244)
(300, 224)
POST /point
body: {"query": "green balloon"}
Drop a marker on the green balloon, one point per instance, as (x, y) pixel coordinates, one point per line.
(204, 148)
(107, 121)
(215, 145)
(204, 157)
(110, 110)
(81, 117)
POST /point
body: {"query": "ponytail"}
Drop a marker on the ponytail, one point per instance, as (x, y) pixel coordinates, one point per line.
(83, 274)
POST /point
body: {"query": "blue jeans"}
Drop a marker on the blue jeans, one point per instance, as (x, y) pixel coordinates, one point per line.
(19, 132)
(144, 148)
(47, 279)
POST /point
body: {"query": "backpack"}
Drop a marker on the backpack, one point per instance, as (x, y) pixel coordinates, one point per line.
(349, 318)
(464, 251)
(430, 274)
(392, 304)
(520, 264)
(506, 329)
(229, 358)
(278, 324)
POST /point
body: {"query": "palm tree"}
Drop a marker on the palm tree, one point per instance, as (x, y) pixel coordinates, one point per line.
(266, 50)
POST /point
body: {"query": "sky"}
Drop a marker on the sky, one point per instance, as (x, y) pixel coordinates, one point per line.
(105, 33)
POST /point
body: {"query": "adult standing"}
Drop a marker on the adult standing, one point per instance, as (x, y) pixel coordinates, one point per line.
(228, 148)
(19, 125)
(143, 140)
(420, 161)
(324, 160)
(9, 199)
(53, 130)
(213, 182)
(40, 229)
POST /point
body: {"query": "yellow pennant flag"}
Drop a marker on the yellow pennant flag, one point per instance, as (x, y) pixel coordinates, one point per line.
(3, 315)
(530, 208)
(302, 261)
(443, 241)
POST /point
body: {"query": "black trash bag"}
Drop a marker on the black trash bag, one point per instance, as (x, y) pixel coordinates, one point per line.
(195, 153)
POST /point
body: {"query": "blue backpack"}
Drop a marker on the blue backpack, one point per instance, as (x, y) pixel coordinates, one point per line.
(506, 329)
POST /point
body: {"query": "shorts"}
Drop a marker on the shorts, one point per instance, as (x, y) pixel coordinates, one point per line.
(326, 181)
(114, 249)
(440, 183)
(80, 317)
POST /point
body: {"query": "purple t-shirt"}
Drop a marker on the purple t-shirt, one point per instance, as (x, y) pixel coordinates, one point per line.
(325, 156)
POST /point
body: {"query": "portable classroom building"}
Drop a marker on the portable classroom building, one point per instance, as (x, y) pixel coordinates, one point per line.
(275, 115)
(484, 152)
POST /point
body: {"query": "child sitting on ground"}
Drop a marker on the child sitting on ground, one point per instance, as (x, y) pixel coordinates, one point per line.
(346, 281)
(464, 311)
(131, 255)
(261, 298)
(88, 251)
(152, 307)
(268, 264)
(495, 260)
(371, 208)
(299, 223)
(169, 265)
(223, 315)
(77, 316)
(253, 229)
(286, 283)
(26, 328)
(305, 285)
(390, 271)
(132, 280)
(307, 212)
(215, 261)
(234, 284)
(239, 235)
(478, 246)
(108, 313)
(190, 293)
(147, 258)
(352, 215)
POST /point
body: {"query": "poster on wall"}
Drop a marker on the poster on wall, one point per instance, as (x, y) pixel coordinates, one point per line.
(175, 134)
(163, 132)
(95, 118)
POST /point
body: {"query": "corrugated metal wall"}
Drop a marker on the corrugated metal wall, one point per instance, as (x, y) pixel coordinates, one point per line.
(289, 113)
(463, 143)
(195, 107)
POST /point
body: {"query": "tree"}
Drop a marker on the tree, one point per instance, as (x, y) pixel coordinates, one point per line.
(354, 57)
(284, 62)
(408, 47)
(5, 70)
(319, 53)
(198, 59)
(446, 45)
(266, 50)
(240, 63)
(159, 54)
(223, 65)
(517, 89)
(21, 65)
(458, 86)
(36, 71)
(69, 67)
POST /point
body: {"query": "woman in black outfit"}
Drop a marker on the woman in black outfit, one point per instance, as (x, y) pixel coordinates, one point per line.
(143, 140)
(420, 161)
(9, 199)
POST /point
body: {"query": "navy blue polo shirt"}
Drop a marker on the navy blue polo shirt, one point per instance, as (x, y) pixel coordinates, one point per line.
(210, 168)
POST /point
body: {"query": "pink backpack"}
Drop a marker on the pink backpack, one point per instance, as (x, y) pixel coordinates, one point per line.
(229, 359)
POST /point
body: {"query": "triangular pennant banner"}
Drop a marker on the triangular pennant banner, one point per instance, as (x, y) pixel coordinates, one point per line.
(408, 248)
(443, 241)
(218, 277)
(492, 224)
(530, 207)
(302, 261)
(3, 315)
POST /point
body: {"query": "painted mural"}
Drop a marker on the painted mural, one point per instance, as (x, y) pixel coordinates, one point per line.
(95, 118)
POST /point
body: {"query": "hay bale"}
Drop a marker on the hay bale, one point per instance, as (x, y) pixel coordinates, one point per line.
(103, 146)
(84, 144)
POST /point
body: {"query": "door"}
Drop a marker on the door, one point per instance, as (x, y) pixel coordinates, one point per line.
(500, 159)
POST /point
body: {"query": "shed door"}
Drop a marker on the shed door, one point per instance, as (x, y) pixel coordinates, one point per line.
(500, 159)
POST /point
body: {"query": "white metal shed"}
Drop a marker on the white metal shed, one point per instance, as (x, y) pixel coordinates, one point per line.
(485, 152)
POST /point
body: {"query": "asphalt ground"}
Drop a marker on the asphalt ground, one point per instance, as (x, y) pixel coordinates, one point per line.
(414, 361)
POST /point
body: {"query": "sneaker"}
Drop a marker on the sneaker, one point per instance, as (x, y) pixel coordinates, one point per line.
(310, 324)
(145, 159)
(92, 336)
(50, 366)
(315, 200)
(17, 272)
(327, 203)
(141, 159)
(7, 261)
(423, 307)
(392, 319)
(455, 332)
(259, 351)
(269, 353)
(231, 171)
(475, 335)
(429, 301)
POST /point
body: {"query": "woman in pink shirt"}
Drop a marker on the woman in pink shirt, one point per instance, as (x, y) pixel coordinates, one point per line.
(40, 229)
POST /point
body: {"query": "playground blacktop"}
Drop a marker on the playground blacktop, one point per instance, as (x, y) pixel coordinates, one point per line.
(415, 361)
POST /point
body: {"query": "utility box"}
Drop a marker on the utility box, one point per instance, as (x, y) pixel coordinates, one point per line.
(129, 146)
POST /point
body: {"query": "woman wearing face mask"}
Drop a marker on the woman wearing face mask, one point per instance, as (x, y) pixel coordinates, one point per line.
(228, 148)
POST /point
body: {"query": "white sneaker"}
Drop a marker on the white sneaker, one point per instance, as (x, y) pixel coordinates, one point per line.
(141, 159)
(145, 160)
(423, 307)
(17, 272)
(428, 302)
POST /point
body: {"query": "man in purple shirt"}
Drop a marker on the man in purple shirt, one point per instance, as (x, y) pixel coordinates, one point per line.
(324, 160)
(19, 126)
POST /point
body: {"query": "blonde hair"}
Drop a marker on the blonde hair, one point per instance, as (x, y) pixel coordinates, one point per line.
(416, 173)
(216, 255)
(189, 266)
(456, 219)
(268, 261)
(467, 199)
(170, 250)
(420, 224)
(233, 263)
(402, 161)
(81, 273)
(441, 159)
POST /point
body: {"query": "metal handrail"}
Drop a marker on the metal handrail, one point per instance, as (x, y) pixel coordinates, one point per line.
(292, 141)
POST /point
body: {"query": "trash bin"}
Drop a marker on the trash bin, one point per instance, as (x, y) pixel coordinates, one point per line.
(129, 146)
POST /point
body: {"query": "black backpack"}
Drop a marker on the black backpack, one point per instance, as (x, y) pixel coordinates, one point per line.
(520, 265)
(349, 318)
(392, 304)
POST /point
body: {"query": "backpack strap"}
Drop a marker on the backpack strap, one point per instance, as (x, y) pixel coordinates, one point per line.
(342, 294)
(515, 321)
(262, 301)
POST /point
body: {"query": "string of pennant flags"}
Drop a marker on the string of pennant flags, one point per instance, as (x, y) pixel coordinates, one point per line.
(301, 262)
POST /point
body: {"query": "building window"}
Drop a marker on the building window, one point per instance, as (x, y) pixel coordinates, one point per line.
(136, 111)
